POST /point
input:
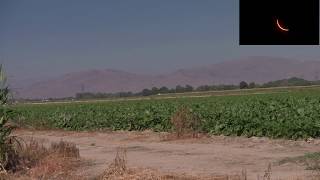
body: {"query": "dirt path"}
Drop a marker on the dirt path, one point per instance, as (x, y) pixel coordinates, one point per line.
(206, 156)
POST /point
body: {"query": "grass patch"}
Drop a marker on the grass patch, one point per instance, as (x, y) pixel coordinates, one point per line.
(36, 161)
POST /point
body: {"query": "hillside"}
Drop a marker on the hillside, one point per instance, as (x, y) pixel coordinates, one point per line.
(252, 69)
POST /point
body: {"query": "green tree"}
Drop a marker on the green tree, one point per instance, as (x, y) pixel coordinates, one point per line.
(146, 92)
(154, 90)
(163, 89)
(252, 85)
(179, 89)
(243, 85)
(188, 88)
(203, 88)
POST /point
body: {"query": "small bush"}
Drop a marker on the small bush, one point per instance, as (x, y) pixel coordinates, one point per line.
(118, 167)
(184, 121)
(36, 161)
(55, 162)
(31, 153)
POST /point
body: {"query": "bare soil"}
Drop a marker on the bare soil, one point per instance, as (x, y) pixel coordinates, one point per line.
(205, 156)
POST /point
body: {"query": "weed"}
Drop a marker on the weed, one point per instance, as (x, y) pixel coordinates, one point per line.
(267, 173)
(65, 149)
(119, 165)
(184, 121)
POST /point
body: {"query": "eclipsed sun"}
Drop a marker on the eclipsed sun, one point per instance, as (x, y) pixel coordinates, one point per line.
(281, 27)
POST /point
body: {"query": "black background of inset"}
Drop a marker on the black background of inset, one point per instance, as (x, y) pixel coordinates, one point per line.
(258, 22)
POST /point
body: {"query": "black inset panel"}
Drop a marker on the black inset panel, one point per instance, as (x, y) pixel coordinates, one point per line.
(279, 22)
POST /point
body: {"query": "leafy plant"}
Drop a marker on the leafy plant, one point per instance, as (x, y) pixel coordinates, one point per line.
(8, 143)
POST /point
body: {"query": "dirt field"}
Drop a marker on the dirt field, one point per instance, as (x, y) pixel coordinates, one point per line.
(216, 155)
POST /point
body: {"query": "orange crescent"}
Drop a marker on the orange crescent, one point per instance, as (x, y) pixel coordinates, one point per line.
(283, 29)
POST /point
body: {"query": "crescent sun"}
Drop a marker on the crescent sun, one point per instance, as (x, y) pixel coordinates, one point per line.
(281, 28)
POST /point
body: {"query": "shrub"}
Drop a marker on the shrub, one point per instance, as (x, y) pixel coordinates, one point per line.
(58, 161)
(119, 165)
(243, 85)
(184, 121)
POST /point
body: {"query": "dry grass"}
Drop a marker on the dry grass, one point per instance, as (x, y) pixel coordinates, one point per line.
(36, 161)
(10, 159)
(65, 149)
(58, 163)
(118, 167)
(118, 170)
(54, 167)
(267, 174)
(60, 160)
(185, 123)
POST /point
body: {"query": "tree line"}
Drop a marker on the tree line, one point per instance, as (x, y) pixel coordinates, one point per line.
(188, 88)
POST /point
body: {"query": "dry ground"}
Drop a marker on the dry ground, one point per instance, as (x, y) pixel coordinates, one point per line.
(217, 155)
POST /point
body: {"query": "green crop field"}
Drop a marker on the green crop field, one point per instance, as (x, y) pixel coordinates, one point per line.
(292, 114)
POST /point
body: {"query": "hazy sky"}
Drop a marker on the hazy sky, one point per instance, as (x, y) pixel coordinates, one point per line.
(50, 37)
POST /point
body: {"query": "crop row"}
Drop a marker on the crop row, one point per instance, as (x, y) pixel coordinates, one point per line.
(281, 115)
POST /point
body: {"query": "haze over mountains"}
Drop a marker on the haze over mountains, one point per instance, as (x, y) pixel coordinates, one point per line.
(252, 69)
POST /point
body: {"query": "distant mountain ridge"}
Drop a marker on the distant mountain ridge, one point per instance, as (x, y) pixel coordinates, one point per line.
(252, 69)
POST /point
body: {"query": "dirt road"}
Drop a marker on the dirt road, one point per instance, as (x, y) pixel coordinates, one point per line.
(216, 155)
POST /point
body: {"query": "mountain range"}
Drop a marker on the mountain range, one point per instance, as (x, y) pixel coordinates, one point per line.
(251, 69)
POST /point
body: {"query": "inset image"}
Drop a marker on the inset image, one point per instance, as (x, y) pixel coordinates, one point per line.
(279, 22)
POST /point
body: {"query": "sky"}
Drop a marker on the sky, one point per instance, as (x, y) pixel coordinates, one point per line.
(46, 38)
